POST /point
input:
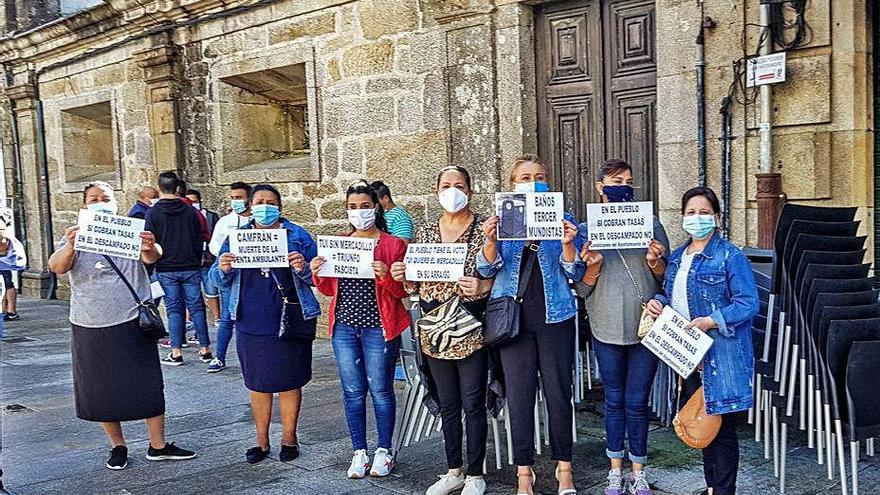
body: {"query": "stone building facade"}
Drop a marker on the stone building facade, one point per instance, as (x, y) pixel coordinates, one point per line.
(312, 94)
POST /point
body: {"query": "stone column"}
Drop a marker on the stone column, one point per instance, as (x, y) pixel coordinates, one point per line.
(36, 279)
(158, 64)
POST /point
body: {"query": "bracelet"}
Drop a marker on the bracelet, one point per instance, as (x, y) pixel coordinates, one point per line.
(656, 262)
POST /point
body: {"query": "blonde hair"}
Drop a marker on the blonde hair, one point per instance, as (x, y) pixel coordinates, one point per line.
(526, 158)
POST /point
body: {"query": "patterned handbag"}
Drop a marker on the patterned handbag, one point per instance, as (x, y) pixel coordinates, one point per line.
(450, 331)
(646, 320)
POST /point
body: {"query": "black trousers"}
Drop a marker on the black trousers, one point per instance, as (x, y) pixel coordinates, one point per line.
(548, 348)
(461, 384)
(721, 457)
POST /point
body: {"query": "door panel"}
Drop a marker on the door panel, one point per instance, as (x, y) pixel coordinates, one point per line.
(596, 78)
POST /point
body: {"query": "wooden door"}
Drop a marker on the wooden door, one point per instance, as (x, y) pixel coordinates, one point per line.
(596, 79)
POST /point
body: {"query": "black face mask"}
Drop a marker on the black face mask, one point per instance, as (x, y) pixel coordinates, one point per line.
(619, 194)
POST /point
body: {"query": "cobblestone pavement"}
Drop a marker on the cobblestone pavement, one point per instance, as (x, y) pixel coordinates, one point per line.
(47, 450)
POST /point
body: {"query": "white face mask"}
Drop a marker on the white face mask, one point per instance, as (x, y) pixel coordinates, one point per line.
(154, 201)
(453, 200)
(362, 219)
(110, 207)
(197, 206)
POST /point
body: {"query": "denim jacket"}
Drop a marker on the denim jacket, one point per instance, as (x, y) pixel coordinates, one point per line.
(298, 240)
(558, 298)
(721, 285)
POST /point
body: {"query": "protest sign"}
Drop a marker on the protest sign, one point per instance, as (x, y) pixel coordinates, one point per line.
(440, 262)
(620, 225)
(346, 257)
(259, 248)
(530, 216)
(682, 349)
(113, 235)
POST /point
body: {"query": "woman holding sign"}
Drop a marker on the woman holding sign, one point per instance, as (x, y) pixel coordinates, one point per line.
(458, 364)
(546, 329)
(367, 317)
(616, 285)
(116, 371)
(710, 282)
(275, 314)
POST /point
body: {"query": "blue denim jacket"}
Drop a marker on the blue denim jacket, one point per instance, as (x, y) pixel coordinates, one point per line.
(297, 240)
(560, 302)
(721, 285)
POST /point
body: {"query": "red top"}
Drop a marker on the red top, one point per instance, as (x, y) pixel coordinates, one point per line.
(393, 314)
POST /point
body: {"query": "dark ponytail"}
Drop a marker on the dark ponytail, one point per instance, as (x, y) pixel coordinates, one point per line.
(363, 187)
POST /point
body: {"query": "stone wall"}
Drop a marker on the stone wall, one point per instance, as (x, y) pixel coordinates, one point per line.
(822, 114)
(394, 90)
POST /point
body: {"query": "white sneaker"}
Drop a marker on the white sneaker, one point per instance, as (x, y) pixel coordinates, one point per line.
(359, 465)
(446, 484)
(474, 485)
(383, 462)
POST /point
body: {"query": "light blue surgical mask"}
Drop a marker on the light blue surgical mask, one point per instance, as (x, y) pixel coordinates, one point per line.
(528, 187)
(109, 207)
(699, 226)
(238, 206)
(266, 215)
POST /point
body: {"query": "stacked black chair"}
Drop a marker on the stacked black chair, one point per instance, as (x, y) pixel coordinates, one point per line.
(820, 308)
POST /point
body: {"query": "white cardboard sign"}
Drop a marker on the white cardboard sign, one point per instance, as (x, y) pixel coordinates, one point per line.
(530, 216)
(112, 235)
(259, 248)
(435, 262)
(620, 225)
(681, 349)
(766, 69)
(346, 257)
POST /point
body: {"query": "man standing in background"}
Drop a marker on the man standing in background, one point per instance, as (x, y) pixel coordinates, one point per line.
(212, 295)
(146, 199)
(178, 229)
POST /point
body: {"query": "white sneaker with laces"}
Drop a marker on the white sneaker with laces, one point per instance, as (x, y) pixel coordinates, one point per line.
(474, 485)
(383, 462)
(446, 484)
(359, 465)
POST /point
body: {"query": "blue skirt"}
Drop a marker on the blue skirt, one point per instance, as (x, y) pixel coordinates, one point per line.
(270, 365)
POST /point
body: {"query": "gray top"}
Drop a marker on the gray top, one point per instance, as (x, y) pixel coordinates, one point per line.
(98, 297)
(613, 304)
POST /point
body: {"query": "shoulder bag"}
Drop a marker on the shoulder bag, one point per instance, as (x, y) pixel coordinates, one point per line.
(502, 313)
(693, 425)
(290, 327)
(149, 318)
(450, 331)
(646, 321)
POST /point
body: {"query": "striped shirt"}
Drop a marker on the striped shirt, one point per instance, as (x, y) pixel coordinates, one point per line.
(400, 224)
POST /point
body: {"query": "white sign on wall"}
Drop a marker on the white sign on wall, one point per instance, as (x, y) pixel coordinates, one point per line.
(766, 69)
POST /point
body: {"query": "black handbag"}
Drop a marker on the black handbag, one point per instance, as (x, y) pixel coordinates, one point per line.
(502, 313)
(149, 318)
(290, 328)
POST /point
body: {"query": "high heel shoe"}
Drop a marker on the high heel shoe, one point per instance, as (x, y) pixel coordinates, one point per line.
(566, 491)
(531, 475)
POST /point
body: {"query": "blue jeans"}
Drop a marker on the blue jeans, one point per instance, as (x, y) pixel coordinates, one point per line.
(366, 363)
(627, 374)
(224, 330)
(211, 290)
(183, 290)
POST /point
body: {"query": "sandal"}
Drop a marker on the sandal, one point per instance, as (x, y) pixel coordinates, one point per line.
(531, 475)
(565, 491)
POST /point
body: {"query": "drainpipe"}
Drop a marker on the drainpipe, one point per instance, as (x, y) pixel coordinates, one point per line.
(701, 107)
(770, 196)
(48, 231)
(726, 148)
(18, 207)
